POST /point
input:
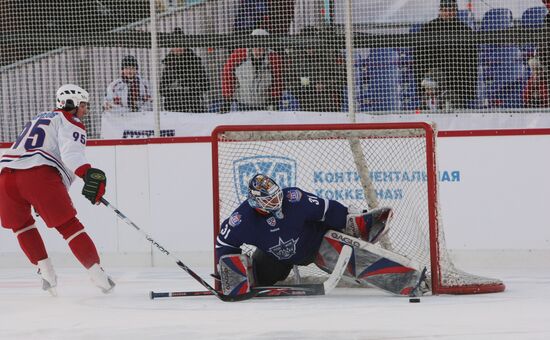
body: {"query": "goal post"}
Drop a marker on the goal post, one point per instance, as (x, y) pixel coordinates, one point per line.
(360, 165)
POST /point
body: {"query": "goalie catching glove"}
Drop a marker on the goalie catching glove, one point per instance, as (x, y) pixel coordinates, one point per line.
(236, 274)
(94, 185)
(369, 226)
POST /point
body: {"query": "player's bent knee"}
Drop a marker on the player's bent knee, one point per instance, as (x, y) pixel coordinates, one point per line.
(20, 231)
(70, 229)
(28, 225)
(268, 270)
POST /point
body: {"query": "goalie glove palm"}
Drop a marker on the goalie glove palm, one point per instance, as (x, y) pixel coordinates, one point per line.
(94, 185)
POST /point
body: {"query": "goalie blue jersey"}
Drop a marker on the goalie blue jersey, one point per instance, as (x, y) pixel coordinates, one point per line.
(294, 239)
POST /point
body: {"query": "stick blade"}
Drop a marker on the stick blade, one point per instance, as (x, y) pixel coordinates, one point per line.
(236, 298)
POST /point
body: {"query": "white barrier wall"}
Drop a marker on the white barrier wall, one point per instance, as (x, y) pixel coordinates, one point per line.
(140, 125)
(498, 201)
(501, 201)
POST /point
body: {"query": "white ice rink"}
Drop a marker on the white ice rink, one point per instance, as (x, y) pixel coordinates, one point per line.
(82, 312)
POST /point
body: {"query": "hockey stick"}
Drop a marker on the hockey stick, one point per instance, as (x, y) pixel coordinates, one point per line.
(339, 269)
(178, 262)
(268, 291)
(284, 290)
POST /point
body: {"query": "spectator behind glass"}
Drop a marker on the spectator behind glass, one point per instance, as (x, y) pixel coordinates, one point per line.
(276, 16)
(446, 61)
(318, 76)
(280, 16)
(251, 78)
(183, 81)
(535, 93)
(544, 49)
(130, 92)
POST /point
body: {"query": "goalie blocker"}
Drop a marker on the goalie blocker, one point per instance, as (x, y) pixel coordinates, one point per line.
(236, 274)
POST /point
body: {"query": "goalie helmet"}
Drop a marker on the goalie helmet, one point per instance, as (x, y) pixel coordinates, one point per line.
(69, 97)
(265, 194)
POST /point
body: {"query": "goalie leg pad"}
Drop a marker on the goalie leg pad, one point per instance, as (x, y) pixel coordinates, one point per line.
(369, 226)
(236, 274)
(371, 265)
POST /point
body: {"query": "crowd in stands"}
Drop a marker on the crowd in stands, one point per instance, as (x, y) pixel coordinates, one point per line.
(446, 70)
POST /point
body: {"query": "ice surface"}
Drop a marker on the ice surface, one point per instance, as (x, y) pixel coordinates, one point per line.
(81, 311)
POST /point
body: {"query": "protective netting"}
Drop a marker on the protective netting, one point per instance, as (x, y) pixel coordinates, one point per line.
(215, 56)
(401, 168)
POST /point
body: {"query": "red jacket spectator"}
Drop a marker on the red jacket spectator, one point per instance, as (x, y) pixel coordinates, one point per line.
(535, 93)
(252, 78)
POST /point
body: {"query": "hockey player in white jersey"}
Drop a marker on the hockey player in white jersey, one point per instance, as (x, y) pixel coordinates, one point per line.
(37, 171)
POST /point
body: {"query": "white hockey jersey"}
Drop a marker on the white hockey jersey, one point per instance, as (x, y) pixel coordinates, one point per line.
(116, 98)
(53, 138)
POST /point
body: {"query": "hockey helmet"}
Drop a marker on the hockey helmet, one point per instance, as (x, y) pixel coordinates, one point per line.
(264, 194)
(69, 97)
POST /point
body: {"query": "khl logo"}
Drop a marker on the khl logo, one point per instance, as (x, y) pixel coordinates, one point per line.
(284, 249)
(281, 169)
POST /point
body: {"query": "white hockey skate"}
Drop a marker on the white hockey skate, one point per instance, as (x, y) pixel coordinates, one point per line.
(101, 279)
(49, 278)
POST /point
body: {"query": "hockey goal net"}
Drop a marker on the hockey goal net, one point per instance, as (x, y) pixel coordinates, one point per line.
(359, 165)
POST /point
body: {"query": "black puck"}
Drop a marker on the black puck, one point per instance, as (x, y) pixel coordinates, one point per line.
(414, 300)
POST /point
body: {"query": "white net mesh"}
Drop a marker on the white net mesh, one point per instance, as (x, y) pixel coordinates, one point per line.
(320, 160)
(208, 56)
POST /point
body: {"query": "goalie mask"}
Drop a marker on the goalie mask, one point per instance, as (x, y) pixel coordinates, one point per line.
(265, 195)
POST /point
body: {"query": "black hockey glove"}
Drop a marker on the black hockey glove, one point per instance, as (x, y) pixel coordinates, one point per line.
(94, 185)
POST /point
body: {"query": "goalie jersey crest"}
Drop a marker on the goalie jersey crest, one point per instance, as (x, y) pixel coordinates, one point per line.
(285, 249)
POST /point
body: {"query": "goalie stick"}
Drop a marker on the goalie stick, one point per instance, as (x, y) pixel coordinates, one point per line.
(163, 250)
(284, 290)
(261, 292)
